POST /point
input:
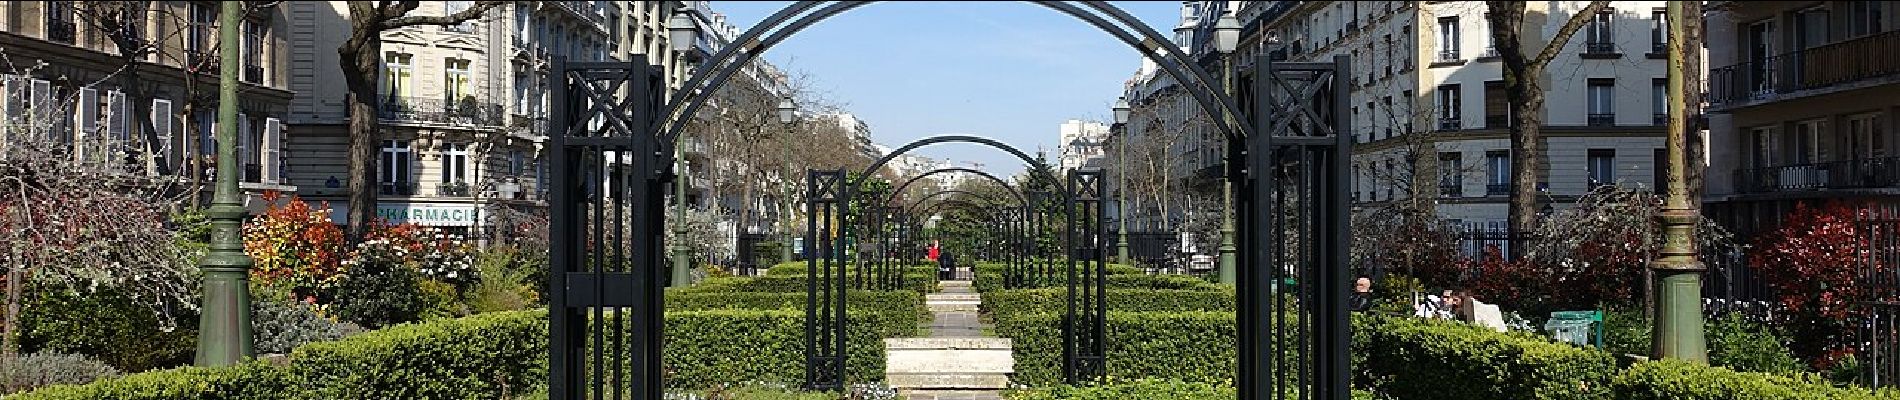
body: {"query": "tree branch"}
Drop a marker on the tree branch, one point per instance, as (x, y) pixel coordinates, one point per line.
(452, 19)
(1569, 29)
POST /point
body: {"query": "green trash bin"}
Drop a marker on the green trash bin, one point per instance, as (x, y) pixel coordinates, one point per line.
(1582, 328)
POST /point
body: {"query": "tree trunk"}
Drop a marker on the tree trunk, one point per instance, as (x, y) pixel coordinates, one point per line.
(10, 350)
(1697, 153)
(1526, 98)
(358, 60)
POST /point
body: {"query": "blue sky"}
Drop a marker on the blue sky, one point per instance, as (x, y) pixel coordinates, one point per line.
(1011, 71)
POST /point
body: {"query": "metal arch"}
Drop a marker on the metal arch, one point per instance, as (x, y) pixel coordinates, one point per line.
(920, 200)
(999, 181)
(935, 208)
(1034, 166)
(1172, 64)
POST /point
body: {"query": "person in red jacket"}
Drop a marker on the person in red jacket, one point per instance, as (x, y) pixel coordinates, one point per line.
(934, 251)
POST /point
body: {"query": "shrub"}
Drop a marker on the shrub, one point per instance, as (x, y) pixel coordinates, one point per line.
(1746, 346)
(1029, 301)
(295, 247)
(255, 380)
(1815, 260)
(280, 324)
(736, 346)
(474, 357)
(1187, 346)
(922, 283)
(379, 290)
(905, 308)
(510, 281)
(1679, 380)
(1627, 332)
(34, 370)
(1427, 360)
(1137, 389)
(989, 276)
(106, 325)
(439, 300)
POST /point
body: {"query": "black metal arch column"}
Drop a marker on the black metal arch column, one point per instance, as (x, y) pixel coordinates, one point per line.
(1291, 195)
(606, 203)
(827, 205)
(1084, 351)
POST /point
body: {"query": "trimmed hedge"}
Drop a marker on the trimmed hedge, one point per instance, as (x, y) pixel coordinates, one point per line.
(1430, 360)
(1138, 389)
(921, 283)
(1030, 301)
(737, 346)
(1680, 380)
(989, 278)
(1188, 346)
(906, 308)
(471, 357)
(255, 380)
(800, 269)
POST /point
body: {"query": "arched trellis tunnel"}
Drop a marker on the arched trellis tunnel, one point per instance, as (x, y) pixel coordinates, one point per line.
(613, 140)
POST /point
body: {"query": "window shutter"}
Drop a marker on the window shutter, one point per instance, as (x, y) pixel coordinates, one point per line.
(116, 135)
(14, 106)
(243, 143)
(162, 128)
(273, 147)
(87, 122)
(44, 108)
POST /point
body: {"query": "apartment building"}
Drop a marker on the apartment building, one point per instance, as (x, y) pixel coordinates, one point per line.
(1428, 102)
(149, 108)
(1082, 144)
(1802, 103)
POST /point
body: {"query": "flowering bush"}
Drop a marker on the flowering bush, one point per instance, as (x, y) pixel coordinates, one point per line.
(295, 247)
(1815, 261)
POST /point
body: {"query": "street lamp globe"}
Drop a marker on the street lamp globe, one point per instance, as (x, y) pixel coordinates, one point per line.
(787, 110)
(1121, 110)
(680, 31)
(1227, 33)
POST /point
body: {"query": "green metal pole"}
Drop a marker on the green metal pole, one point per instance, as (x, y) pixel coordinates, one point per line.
(1228, 265)
(785, 246)
(682, 264)
(1679, 323)
(1121, 200)
(224, 335)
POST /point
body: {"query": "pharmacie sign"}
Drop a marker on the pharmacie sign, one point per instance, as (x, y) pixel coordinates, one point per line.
(425, 214)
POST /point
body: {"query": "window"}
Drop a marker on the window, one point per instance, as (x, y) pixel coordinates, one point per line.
(1497, 107)
(1451, 174)
(452, 7)
(1448, 105)
(396, 73)
(1660, 164)
(1602, 165)
(1658, 31)
(455, 81)
(60, 26)
(162, 128)
(1602, 99)
(395, 168)
(516, 163)
(253, 52)
(1391, 170)
(1600, 37)
(1761, 46)
(1864, 17)
(454, 163)
(1448, 38)
(523, 30)
(1388, 108)
(204, 18)
(1659, 98)
(1865, 138)
(272, 150)
(1766, 151)
(1805, 142)
(1405, 40)
(1497, 173)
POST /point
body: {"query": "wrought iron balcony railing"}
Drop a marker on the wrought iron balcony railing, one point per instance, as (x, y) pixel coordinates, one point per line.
(1601, 119)
(467, 111)
(398, 188)
(1449, 123)
(1813, 68)
(1882, 172)
(1451, 189)
(1497, 121)
(1599, 48)
(1448, 55)
(1497, 189)
(254, 73)
(452, 189)
(61, 31)
(1659, 119)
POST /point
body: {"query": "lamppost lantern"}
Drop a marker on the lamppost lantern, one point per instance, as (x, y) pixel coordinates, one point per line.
(1121, 110)
(787, 110)
(680, 31)
(1227, 33)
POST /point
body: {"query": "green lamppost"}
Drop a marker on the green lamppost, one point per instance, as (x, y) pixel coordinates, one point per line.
(681, 32)
(1121, 166)
(787, 114)
(1679, 333)
(1226, 39)
(224, 328)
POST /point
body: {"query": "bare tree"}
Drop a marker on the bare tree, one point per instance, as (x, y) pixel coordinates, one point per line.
(1526, 96)
(359, 57)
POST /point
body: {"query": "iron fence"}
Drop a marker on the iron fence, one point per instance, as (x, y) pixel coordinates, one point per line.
(1158, 250)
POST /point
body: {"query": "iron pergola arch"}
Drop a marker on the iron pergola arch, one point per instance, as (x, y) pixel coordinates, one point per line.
(615, 144)
(993, 178)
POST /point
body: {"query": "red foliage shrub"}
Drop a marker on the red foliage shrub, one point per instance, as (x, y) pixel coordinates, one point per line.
(1511, 284)
(1815, 262)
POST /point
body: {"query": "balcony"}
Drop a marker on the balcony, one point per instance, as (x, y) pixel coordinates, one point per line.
(1449, 124)
(1787, 75)
(205, 62)
(467, 112)
(1497, 189)
(1451, 190)
(1659, 119)
(61, 31)
(1448, 56)
(1600, 119)
(1600, 50)
(1497, 121)
(1489, 53)
(254, 74)
(398, 188)
(452, 189)
(1863, 173)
